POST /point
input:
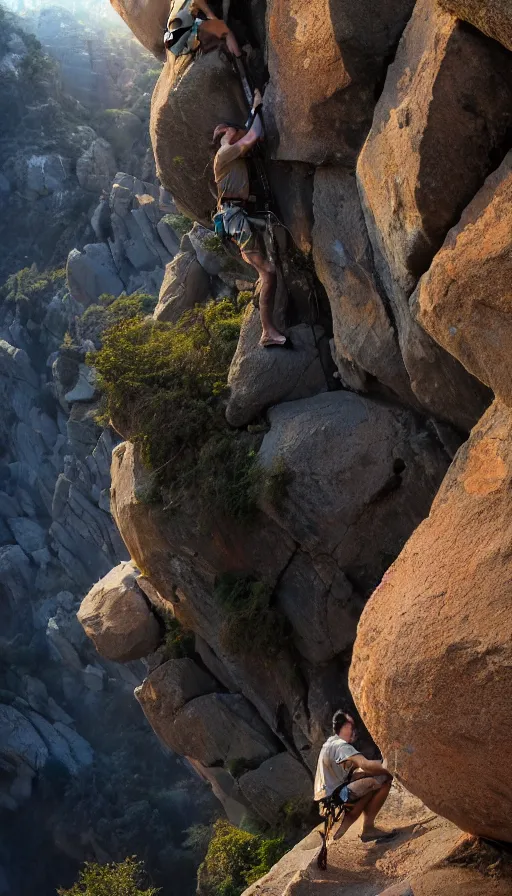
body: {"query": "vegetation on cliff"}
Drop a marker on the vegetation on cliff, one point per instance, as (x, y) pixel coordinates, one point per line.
(165, 386)
(236, 859)
(116, 879)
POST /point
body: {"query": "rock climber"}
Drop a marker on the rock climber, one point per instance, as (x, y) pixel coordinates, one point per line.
(192, 25)
(362, 783)
(231, 173)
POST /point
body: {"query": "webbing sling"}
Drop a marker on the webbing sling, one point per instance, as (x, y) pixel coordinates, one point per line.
(333, 811)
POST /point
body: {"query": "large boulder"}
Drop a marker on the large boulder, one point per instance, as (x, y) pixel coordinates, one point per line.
(442, 119)
(213, 729)
(337, 54)
(361, 476)
(277, 782)
(260, 377)
(183, 560)
(493, 17)
(432, 664)
(147, 20)
(188, 102)
(365, 341)
(464, 299)
(185, 285)
(116, 616)
(91, 273)
(171, 686)
(96, 167)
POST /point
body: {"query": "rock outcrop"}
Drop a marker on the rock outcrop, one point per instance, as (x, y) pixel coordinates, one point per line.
(183, 153)
(116, 616)
(147, 20)
(433, 643)
(365, 341)
(337, 53)
(493, 17)
(411, 196)
(259, 378)
(463, 300)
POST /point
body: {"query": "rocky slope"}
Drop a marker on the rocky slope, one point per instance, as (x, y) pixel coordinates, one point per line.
(391, 165)
(74, 110)
(89, 788)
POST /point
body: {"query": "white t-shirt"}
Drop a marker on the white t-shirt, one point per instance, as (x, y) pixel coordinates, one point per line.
(329, 771)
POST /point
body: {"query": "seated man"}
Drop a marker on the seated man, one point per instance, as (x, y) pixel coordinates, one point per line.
(231, 174)
(363, 783)
(187, 30)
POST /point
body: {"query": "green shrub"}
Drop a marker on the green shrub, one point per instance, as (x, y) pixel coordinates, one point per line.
(178, 642)
(252, 624)
(32, 287)
(165, 386)
(179, 223)
(116, 879)
(111, 311)
(235, 859)
(214, 244)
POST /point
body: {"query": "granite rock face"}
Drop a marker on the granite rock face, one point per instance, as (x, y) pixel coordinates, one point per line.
(116, 616)
(337, 53)
(259, 378)
(463, 301)
(434, 640)
(493, 17)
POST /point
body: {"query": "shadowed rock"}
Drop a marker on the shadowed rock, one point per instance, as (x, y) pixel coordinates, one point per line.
(190, 99)
(117, 617)
(364, 336)
(260, 377)
(325, 61)
(185, 285)
(493, 17)
(463, 301)
(441, 121)
(277, 781)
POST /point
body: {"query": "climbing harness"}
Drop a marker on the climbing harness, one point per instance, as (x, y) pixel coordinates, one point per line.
(181, 36)
(333, 809)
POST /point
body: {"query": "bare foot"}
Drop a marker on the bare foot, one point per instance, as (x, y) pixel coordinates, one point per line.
(275, 338)
(369, 834)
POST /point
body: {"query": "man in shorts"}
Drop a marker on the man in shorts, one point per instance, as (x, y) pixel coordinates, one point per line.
(362, 783)
(231, 174)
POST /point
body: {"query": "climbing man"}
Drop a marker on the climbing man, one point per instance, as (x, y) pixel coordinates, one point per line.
(192, 25)
(362, 783)
(231, 173)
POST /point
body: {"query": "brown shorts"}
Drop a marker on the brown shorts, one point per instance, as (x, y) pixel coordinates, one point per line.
(362, 786)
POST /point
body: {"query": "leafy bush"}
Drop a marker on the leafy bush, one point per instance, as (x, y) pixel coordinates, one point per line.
(98, 318)
(32, 288)
(165, 386)
(178, 642)
(179, 223)
(252, 624)
(235, 859)
(116, 879)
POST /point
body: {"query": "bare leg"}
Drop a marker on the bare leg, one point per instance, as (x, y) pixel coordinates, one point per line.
(353, 815)
(268, 280)
(373, 808)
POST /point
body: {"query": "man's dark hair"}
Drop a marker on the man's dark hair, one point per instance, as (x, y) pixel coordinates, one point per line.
(339, 719)
(215, 144)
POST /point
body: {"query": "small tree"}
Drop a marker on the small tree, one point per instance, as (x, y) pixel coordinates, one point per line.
(116, 879)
